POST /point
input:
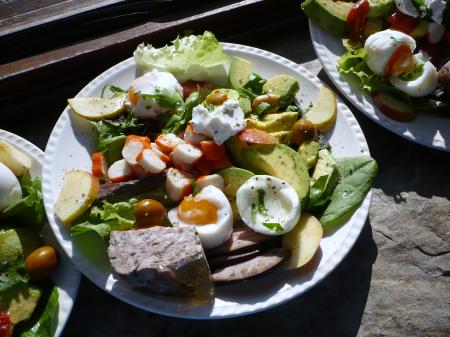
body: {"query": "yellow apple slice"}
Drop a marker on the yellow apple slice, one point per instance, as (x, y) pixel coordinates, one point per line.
(323, 112)
(96, 108)
(303, 241)
(14, 159)
(78, 192)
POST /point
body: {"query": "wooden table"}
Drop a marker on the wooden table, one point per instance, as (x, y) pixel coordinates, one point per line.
(394, 282)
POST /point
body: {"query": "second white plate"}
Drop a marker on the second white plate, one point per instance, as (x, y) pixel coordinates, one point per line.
(429, 130)
(73, 141)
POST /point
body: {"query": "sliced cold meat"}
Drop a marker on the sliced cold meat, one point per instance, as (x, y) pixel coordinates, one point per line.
(167, 260)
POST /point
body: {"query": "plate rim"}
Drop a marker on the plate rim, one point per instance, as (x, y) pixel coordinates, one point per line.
(360, 215)
(344, 88)
(75, 276)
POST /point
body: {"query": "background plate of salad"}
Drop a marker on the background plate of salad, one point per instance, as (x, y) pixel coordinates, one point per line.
(421, 117)
(36, 301)
(75, 140)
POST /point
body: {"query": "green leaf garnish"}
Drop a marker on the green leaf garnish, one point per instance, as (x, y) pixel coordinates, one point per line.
(274, 226)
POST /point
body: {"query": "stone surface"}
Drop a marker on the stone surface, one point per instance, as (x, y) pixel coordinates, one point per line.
(395, 280)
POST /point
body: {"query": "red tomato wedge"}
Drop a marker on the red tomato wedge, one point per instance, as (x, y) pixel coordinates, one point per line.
(402, 22)
(356, 19)
(256, 136)
(212, 151)
(5, 325)
(190, 86)
(400, 61)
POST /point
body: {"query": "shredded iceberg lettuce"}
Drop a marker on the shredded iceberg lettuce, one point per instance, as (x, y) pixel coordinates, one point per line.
(194, 57)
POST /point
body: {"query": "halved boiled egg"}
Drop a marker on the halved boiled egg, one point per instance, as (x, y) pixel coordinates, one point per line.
(151, 83)
(210, 212)
(389, 51)
(268, 205)
(419, 82)
(10, 190)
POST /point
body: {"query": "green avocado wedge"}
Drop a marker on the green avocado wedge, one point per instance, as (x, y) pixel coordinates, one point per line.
(357, 176)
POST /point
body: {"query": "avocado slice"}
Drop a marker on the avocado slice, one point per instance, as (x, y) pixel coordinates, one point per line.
(326, 166)
(309, 151)
(240, 70)
(17, 242)
(332, 15)
(235, 149)
(284, 86)
(233, 178)
(283, 121)
(280, 161)
(20, 302)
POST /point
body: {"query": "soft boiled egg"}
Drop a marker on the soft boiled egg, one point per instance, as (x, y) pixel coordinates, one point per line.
(389, 51)
(10, 190)
(421, 81)
(268, 205)
(210, 212)
(149, 84)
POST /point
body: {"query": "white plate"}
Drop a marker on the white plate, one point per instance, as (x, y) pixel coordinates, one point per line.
(426, 129)
(67, 278)
(73, 140)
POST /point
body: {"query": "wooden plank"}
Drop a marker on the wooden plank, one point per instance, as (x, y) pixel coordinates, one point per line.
(112, 48)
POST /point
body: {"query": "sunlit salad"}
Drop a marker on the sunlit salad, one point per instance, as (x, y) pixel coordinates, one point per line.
(207, 173)
(399, 51)
(28, 298)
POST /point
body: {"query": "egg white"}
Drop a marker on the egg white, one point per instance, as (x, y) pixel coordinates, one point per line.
(422, 85)
(214, 234)
(280, 200)
(10, 190)
(148, 84)
(381, 45)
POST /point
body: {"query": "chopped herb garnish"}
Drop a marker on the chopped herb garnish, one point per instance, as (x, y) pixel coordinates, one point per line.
(275, 226)
(261, 206)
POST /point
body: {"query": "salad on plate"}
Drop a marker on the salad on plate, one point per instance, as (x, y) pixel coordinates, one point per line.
(206, 174)
(28, 298)
(397, 51)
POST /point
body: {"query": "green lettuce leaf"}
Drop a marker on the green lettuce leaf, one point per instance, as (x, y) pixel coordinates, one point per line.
(194, 57)
(46, 323)
(112, 134)
(30, 208)
(106, 218)
(353, 62)
(13, 276)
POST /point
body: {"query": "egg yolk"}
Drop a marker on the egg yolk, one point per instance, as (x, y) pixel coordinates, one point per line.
(132, 96)
(197, 212)
(400, 61)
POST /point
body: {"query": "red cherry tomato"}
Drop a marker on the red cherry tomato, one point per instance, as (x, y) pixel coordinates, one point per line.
(402, 22)
(191, 86)
(356, 19)
(5, 325)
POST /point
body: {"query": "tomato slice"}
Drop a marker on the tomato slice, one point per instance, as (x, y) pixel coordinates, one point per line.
(400, 61)
(356, 19)
(5, 325)
(191, 86)
(256, 136)
(402, 22)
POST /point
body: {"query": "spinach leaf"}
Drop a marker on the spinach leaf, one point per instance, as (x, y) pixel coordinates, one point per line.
(106, 218)
(167, 99)
(13, 276)
(45, 325)
(357, 176)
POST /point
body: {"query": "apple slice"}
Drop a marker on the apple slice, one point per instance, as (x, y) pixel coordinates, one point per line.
(17, 161)
(323, 112)
(96, 108)
(78, 192)
(303, 241)
(393, 108)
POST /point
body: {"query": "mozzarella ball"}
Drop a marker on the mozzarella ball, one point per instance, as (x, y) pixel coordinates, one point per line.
(268, 205)
(421, 86)
(381, 46)
(10, 190)
(210, 212)
(149, 84)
